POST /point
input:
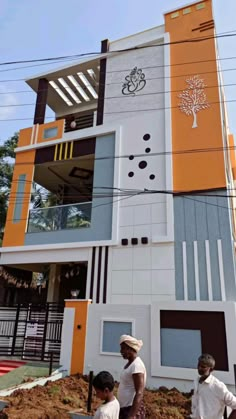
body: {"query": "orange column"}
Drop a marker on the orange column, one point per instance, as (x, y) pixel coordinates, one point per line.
(79, 334)
(14, 233)
(194, 132)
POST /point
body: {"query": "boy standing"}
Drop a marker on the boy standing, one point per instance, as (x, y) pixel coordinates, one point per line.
(104, 384)
(211, 396)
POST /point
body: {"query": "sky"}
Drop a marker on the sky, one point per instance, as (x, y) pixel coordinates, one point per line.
(50, 28)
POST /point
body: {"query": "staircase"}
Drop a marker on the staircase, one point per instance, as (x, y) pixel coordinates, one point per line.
(8, 366)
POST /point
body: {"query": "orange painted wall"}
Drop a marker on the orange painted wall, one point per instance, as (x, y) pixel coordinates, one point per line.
(195, 170)
(232, 153)
(60, 126)
(79, 335)
(24, 137)
(14, 233)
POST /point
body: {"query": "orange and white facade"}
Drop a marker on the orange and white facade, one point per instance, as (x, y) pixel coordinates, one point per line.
(140, 163)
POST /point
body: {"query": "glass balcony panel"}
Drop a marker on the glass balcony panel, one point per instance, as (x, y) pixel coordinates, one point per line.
(61, 217)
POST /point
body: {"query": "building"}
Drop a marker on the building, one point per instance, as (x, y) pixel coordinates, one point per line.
(135, 209)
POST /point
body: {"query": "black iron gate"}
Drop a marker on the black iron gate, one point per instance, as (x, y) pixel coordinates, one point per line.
(31, 331)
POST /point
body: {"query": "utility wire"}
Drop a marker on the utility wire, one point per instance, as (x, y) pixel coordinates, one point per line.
(122, 96)
(149, 192)
(96, 206)
(68, 57)
(127, 69)
(117, 112)
(152, 78)
(121, 192)
(133, 156)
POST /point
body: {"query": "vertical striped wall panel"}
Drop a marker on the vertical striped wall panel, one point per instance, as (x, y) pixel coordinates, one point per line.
(203, 272)
(98, 275)
(204, 248)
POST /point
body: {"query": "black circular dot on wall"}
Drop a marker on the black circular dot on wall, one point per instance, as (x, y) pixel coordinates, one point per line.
(146, 137)
(152, 177)
(142, 164)
(131, 174)
(131, 157)
(147, 150)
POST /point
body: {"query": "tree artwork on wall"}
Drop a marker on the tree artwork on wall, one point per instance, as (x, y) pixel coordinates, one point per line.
(194, 98)
(135, 82)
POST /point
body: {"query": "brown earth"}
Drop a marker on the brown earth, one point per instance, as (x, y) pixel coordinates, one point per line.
(56, 399)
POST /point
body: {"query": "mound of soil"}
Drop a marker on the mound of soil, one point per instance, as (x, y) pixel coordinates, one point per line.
(56, 399)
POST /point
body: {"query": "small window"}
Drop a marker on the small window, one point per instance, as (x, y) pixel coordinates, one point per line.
(200, 6)
(50, 133)
(187, 11)
(174, 15)
(111, 332)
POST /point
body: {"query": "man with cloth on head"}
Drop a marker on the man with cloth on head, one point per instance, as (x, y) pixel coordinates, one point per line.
(132, 379)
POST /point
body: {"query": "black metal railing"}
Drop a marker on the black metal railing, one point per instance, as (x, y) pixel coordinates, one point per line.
(79, 122)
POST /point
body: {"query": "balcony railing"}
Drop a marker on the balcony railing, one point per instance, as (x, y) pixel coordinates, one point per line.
(61, 217)
(79, 121)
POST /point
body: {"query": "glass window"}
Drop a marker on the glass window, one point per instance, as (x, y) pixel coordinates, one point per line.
(50, 133)
(112, 330)
(187, 11)
(174, 15)
(200, 6)
(180, 347)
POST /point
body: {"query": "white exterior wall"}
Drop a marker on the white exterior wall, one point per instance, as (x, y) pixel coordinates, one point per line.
(140, 274)
(146, 326)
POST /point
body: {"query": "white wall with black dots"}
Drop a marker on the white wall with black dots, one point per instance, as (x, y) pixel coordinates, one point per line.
(142, 271)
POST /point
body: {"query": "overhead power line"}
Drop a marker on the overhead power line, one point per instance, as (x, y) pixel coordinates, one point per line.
(126, 69)
(151, 78)
(121, 96)
(147, 192)
(75, 56)
(139, 155)
(111, 113)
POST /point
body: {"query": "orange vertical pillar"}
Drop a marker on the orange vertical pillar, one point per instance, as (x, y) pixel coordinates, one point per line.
(81, 308)
(197, 143)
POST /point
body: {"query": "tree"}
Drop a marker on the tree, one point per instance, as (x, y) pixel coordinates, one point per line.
(6, 171)
(194, 98)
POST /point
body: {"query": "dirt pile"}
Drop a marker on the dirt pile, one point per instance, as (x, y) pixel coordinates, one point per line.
(56, 399)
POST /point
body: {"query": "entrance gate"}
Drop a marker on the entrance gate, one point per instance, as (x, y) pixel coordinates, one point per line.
(31, 331)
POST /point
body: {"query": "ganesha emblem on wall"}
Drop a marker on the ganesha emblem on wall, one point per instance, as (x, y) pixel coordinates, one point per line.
(134, 82)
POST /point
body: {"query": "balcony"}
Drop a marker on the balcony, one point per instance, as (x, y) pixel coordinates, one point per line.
(80, 120)
(63, 217)
(72, 90)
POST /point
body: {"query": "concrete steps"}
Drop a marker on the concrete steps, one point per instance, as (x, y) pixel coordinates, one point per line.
(8, 366)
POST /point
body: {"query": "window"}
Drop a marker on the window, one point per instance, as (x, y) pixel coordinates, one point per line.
(187, 11)
(174, 15)
(194, 332)
(19, 198)
(200, 6)
(187, 346)
(50, 133)
(111, 332)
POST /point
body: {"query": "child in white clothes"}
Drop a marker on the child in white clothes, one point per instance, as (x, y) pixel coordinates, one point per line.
(104, 384)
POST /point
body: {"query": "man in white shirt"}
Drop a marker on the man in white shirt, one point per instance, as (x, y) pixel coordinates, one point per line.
(103, 384)
(211, 396)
